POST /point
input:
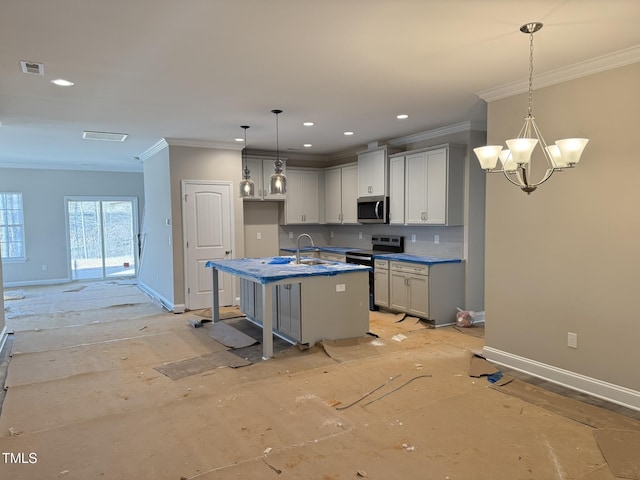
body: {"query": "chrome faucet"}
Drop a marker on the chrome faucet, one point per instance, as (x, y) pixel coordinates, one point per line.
(298, 245)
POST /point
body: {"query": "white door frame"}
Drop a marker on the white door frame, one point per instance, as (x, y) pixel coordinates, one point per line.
(183, 185)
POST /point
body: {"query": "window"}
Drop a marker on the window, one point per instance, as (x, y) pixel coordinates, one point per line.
(11, 227)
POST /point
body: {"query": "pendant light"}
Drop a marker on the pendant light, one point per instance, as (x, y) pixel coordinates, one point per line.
(278, 181)
(247, 188)
(516, 161)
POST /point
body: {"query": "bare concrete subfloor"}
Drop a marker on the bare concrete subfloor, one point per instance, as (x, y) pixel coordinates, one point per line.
(84, 401)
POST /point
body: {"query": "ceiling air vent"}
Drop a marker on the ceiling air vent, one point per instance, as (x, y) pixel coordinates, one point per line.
(105, 136)
(32, 67)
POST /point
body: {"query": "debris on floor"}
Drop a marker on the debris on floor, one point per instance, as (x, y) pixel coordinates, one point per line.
(200, 364)
(13, 295)
(620, 449)
(195, 322)
(479, 366)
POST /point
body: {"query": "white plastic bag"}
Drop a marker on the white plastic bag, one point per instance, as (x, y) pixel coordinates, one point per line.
(465, 318)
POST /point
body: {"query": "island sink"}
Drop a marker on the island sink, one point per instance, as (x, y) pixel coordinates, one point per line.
(310, 261)
(303, 301)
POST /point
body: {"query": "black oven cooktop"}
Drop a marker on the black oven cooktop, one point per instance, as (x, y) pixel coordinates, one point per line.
(379, 244)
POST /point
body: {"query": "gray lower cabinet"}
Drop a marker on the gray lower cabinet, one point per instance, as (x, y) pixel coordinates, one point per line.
(409, 287)
(381, 282)
(287, 315)
(287, 319)
(432, 292)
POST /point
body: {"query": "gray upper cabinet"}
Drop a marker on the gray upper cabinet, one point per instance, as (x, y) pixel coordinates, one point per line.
(372, 173)
(396, 190)
(303, 196)
(341, 194)
(260, 171)
(434, 181)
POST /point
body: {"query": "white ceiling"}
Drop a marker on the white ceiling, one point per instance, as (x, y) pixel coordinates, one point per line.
(195, 70)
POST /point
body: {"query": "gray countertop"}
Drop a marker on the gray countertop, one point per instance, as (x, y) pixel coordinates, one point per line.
(422, 259)
(321, 248)
(272, 269)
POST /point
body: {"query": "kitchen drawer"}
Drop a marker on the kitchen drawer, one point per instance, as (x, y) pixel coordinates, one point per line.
(415, 268)
(381, 264)
(333, 257)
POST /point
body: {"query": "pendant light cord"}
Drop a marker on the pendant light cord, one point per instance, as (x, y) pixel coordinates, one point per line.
(531, 74)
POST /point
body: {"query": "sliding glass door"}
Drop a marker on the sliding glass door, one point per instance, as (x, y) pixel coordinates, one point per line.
(102, 237)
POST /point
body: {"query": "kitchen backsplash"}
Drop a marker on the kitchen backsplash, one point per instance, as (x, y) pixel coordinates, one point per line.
(450, 239)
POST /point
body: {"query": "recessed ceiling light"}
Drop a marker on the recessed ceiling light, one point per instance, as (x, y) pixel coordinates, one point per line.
(307, 145)
(348, 133)
(61, 82)
(308, 124)
(402, 116)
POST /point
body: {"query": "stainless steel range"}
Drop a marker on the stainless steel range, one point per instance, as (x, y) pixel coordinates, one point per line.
(379, 244)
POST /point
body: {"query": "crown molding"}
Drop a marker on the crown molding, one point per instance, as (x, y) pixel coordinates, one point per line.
(133, 168)
(186, 142)
(153, 149)
(438, 132)
(564, 74)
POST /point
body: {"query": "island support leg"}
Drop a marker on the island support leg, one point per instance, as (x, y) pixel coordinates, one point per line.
(267, 321)
(215, 304)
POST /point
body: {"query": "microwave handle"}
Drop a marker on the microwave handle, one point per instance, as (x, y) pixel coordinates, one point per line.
(378, 216)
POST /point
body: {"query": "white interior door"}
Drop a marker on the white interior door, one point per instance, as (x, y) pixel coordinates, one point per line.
(208, 236)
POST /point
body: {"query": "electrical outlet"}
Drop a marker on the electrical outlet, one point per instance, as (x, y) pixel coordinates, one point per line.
(360, 235)
(341, 287)
(331, 233)
(436, 239)
(572, 340)
(413, 238)
(44, 267)
(290, 234)
(259, 236)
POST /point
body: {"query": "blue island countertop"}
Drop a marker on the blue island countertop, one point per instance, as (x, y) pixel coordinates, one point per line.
(423, 259)
(322, 248)
(272, 269)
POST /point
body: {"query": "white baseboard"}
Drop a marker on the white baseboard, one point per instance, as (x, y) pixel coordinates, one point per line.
(166, 303)
(592, 386)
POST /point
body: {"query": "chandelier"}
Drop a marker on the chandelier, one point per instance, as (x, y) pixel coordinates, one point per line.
(278, 181)
(247, 188)
(516, 160)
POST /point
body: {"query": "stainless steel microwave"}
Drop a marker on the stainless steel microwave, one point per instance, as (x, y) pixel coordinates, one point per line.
(373, 209)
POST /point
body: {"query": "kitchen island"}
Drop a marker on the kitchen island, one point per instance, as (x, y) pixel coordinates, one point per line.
(301, 302)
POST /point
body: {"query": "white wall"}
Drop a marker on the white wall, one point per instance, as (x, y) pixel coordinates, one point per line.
(565, 258)
(43, 193)
(155, 275)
